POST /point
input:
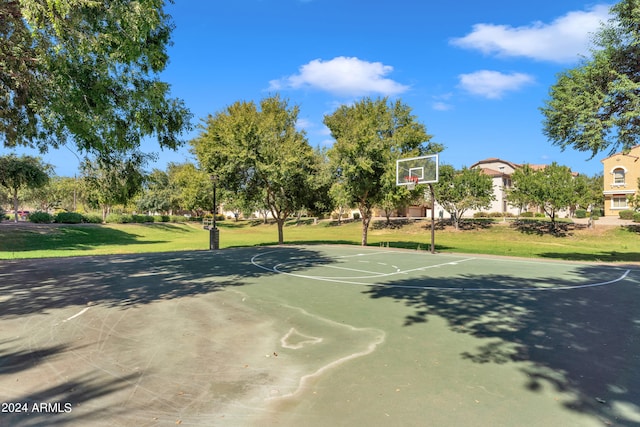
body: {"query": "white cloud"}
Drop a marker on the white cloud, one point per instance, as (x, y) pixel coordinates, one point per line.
(563, 40)
(342, 76)
(441, 103)
(441, 106)
(303, 123)
(493, 84)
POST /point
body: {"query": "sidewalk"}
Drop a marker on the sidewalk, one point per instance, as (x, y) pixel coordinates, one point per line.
(605, 220)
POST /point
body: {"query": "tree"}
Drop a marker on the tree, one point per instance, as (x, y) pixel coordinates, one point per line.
(60, 192)
(459, 191)
(258, 154)
(551, 188)
(520, 196)
(21, 76)
(157, 194)
(590, 194)
(86, 71)
(340, 199)
(22, 172)
(370, 136)
(397, 197)
(192, 187)
(114, 180)
(596, 105)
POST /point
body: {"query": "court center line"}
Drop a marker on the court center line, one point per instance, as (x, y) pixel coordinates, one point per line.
(372, 275)
(523, 289)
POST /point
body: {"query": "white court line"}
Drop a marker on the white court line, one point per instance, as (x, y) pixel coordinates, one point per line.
(435, 288)
(372, 274)
(76, 315)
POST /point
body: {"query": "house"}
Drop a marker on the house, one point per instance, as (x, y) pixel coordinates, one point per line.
(500, 172)
(621, 173)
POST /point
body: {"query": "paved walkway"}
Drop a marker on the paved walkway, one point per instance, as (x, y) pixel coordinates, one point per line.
(605, 220)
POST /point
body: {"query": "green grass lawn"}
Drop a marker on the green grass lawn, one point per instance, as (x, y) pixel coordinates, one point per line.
(610, 244)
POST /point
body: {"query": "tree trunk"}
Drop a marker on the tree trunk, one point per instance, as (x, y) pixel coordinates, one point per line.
(365, 212)
(280, 230)
(15, 205)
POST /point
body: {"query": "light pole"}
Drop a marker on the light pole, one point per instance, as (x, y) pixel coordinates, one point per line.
(214, 233)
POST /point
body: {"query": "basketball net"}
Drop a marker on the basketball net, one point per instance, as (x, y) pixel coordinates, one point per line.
(412, 181)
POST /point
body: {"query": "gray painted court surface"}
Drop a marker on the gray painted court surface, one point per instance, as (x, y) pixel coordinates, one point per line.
(317, 336)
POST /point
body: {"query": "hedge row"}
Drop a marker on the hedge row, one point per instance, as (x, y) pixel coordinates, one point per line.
(78, 218)
(64, 218)
(142, 219)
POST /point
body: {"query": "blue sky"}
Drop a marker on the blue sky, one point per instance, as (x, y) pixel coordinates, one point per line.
(475, 73)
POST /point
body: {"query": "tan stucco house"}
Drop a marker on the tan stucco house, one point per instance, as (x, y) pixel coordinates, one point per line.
(621, 173)
(500, 172)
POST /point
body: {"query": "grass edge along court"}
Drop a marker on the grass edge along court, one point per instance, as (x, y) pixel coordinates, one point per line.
(320, 335)
(602, 244)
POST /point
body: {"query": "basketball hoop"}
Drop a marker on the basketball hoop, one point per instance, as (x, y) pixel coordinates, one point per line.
(411, 182)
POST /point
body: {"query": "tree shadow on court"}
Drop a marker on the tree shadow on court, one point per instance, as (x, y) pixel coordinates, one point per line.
(582, 341)
(69, 399)
(37, 286)
(74, 392)
(602, 256)
(12, 361)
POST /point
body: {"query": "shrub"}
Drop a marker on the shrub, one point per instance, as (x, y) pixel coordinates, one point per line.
(626, 214)
(539, 215)
(68, 217)
(141, 219)
(526, 214)
(92, 219)
(581, 213)
(41, 217)
(480, 215)
(636, 217)
(178, 218)
(115, 218)
(3, 214)
(356, 215)
(161, 218)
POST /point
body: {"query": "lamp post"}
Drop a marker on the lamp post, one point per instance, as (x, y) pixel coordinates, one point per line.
(214, 233)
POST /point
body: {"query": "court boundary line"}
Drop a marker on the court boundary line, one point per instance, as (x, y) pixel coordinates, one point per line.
(275, 269)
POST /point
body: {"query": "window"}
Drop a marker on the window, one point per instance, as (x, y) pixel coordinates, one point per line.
(618, 176)
(619, 202)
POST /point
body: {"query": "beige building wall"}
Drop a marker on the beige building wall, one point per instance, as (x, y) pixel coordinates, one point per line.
(621, 173)
(500, 172)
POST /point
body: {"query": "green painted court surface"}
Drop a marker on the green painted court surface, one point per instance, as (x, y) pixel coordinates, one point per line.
(317, 336)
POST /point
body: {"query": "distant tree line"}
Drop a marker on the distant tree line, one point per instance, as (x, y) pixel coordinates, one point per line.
(262, 163)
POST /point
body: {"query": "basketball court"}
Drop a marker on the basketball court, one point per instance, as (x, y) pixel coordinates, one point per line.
(316, 336)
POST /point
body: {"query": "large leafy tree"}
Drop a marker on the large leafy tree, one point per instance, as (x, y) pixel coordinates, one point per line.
(87, 72)
(370, 136)
(457, 191)
(257, 153)
(157, 194)
(551, 188)
(60, 192)
(596, 106)
(114, 180)
(20, 173)
(191, 187)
